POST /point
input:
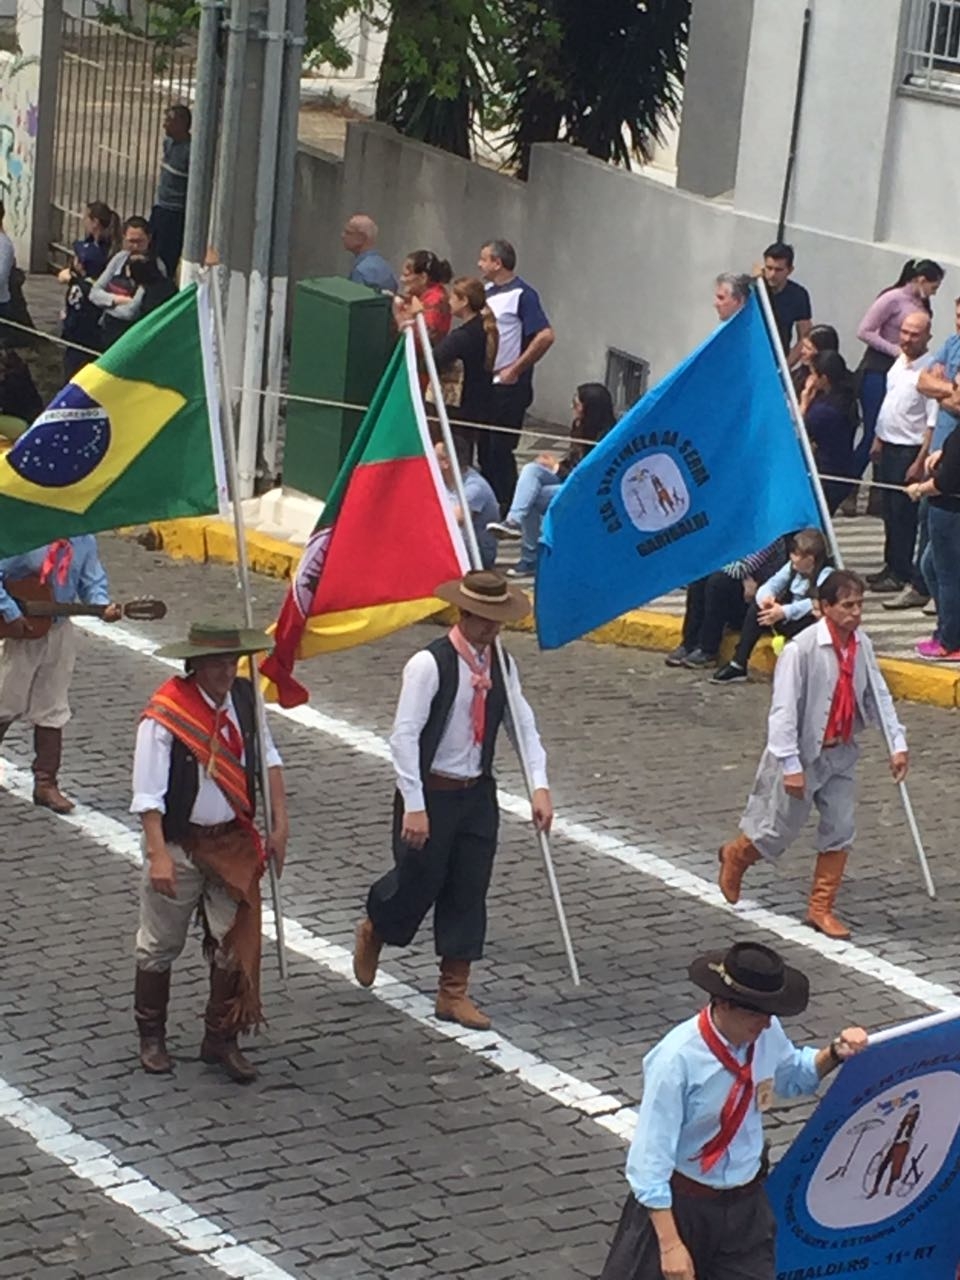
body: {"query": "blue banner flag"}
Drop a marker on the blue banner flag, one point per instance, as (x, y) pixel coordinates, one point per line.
(872, 1184)
(704, 469)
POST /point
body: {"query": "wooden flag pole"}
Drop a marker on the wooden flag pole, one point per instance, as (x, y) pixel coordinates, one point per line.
(873, 675)
(243, 577)
(473, 551)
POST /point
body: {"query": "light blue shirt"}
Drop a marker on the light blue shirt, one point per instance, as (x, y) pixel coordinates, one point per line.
(484, 509)
(86, 579)
(372, 269)
(949, 356)
(684, 1089)
(800, 604)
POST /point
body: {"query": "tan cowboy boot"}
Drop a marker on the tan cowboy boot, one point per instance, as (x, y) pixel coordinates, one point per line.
(826, 882)
(219, 1048)
(735, 856)
(366, 952)
(47, 744)
(151, 994)
(453, 1003)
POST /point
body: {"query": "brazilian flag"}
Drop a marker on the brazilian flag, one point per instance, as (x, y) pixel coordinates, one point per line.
(131, 438)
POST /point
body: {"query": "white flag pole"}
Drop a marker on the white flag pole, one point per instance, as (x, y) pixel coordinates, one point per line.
(873, 675)
(473, 550)
(243, 575)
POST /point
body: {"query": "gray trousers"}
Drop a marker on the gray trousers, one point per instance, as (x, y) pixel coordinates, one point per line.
(773, 820)
(165, 922)
(727, 1239)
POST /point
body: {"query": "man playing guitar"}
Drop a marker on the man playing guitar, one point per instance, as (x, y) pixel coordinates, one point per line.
(35, 669)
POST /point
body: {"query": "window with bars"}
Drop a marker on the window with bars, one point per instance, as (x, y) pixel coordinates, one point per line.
(626, 379)
(931, 48)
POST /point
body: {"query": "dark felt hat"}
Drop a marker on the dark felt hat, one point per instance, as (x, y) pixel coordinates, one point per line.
(752, 975)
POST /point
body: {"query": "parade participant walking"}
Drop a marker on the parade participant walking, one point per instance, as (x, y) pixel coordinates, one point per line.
(697, 1208)
(452, 702)
(195, 772)
(822, 697)
(35, 671)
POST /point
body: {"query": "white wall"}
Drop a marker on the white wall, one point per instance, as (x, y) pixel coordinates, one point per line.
(921, 197)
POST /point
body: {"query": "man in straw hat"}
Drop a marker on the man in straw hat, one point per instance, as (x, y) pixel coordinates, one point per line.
(452, 701)
(822, 696)
(195, 772)
(697, 1208)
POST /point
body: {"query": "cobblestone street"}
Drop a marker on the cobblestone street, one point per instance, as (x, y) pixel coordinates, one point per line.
(378, 1142)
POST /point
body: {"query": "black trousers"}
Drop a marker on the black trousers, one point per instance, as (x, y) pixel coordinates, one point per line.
(451, 873)
(727, 1239)
(899, 513)
(751, 631)
(496, 449)
(713, 603)
(167, 227)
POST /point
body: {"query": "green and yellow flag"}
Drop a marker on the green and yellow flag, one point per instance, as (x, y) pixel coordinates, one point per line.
(133, 437)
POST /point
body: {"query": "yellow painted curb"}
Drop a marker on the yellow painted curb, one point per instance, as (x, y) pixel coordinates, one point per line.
(204, 538)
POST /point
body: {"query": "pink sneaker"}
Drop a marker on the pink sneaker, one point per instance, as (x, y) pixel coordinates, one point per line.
(931, 648)
(953, 656)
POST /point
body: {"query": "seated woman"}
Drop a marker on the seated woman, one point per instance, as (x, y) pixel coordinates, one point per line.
(784, 603)
(721, 600)
(829, 407)
(539, 481)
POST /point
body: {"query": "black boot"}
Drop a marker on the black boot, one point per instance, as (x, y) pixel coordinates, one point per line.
(219, 1048)
(151, 995)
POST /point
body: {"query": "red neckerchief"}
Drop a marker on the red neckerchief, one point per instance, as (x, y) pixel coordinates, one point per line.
(479, 678)
(57, 561)
(738, 1099)
(844, 705)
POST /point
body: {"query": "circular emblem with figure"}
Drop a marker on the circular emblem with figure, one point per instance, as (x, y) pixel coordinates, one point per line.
(887, 1153)
(66, 443)
(654, 493)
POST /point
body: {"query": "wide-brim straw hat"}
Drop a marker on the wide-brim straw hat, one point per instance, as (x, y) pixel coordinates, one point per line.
(487, 594)
(212, 639)
(753, 975)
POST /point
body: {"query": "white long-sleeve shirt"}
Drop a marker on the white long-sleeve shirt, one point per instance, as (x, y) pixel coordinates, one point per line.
(151, 772)
(458, 755)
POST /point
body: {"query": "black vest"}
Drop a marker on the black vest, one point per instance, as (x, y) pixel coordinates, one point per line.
(184, 779)
(448, 663)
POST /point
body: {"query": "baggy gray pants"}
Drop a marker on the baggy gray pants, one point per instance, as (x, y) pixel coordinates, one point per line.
(773, 820)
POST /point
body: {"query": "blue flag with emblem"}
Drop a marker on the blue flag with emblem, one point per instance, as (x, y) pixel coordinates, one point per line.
(704, 469)
(871, 1186)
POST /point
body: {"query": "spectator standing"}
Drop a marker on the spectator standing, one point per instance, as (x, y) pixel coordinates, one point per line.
(784, 603)
(940, 379)
(81, 317)
(525, 338)
(540, 481)
(880, 330)
(730, 292)
(359, 237)
(425, 277)
(115, 292)
(942, 564)
(168, 218)
(8, 263)
(481, 500)
(474, 345)
(790, 301)
(904, 429)
(828, 403)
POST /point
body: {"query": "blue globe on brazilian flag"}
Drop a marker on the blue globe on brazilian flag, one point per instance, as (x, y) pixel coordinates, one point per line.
(133, 437)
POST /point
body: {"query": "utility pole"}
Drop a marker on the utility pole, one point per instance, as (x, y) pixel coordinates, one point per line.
(203, 143)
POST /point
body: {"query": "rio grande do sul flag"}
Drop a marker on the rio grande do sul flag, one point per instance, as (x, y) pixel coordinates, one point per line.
(131, 437)
(386, 539)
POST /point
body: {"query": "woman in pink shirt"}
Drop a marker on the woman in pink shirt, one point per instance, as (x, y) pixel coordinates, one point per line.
(880, 330)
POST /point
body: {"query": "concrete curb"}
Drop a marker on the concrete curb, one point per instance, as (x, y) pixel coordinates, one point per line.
(204, 538)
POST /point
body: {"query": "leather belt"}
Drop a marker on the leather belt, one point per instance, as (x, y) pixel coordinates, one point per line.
(834, 742)
(440, 782)
(685, 1186)
(199, 831)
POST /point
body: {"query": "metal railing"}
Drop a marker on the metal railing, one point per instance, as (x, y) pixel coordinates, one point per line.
(931, 48)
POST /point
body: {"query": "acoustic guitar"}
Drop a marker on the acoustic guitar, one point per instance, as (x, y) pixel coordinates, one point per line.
(36, 602)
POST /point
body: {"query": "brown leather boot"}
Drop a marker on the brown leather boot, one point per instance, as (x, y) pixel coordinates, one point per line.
(453, 1003)
(826, 882)
(735, 856)
(220, 1048)
(151, 994)
(47, 743)
(366, 952)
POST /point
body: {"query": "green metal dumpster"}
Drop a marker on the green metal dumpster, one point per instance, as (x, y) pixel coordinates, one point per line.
(340, 344)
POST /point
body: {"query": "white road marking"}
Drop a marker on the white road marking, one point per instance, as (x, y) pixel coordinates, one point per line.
(606, 1110)
(92, 1162)
(600, 843)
